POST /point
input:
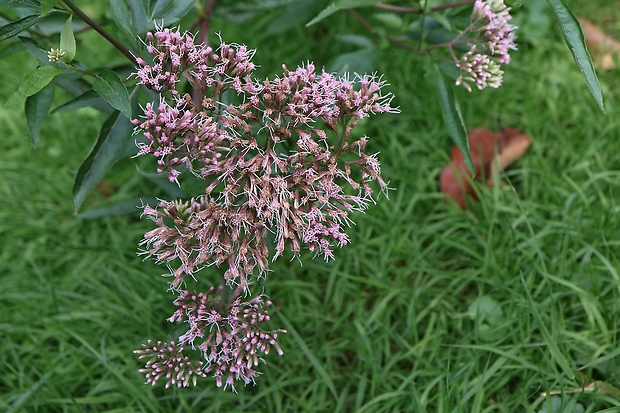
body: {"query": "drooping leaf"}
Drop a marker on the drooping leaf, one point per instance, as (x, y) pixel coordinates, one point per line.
(18, 26)
(453, 119)
(47, 6)
(171, 10)
(67, 40)
(339, 5)
(37, 108)
(111, 142)
(110, 87)
(33, 82)
(89, 98)
(576, 43)
(120, 14)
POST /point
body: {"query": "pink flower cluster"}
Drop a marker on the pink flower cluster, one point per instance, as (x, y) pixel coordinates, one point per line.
(493, 37)
(279, 164)
(230, 335)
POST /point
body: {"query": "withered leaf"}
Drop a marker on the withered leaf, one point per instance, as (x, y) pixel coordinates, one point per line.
(491, 152)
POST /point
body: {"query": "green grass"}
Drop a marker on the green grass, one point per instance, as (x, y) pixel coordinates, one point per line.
(390, 325)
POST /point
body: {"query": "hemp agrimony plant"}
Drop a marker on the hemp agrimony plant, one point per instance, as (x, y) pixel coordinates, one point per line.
(279, 164)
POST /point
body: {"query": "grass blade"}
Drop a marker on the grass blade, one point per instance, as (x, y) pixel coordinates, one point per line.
(311, 357)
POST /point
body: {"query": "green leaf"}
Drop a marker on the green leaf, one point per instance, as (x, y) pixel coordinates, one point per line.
(120, 14)
(339, 5)
(141, 21)
(110, 87)
(113, 138)
(67, 40)
(28, 4)
(47, 6)
(171, 10)
(360, 61)
(37, 108)
(577, 45)
(33, 82)
(89, 98)
(18, 26)
(453, 119)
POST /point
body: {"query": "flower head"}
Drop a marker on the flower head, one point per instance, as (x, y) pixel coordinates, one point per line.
(493, 38)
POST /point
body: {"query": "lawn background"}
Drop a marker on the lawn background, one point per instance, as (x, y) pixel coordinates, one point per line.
(430, 309)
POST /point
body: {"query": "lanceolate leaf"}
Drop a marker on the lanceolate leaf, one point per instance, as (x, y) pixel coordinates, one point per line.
(109, 85)
(340, 5)
(37, 108)
(453, 119)
(47, 6)
(67, 40)
(113, 137)
(33, 82)
(18, 26)
(576, 43)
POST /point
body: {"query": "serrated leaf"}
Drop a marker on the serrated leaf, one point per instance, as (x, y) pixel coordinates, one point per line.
(110, 87)
(171, 10)
(18, 26)
(88, 99)
(47, 6)
(33, 82)
(453, 119)
(37, 108)
(67, 40)
(573, 36)
(340, 5)
(111, 142)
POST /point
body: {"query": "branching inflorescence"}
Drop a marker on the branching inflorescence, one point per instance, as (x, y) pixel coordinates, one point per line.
(282, 164)
(492, 37)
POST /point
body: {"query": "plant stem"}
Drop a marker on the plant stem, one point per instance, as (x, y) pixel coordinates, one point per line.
(78, 12)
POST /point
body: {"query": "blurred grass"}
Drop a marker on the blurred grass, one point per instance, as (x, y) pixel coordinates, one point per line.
(430, 309)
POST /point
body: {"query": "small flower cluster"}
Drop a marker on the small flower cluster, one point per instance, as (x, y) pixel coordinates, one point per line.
(493, 38)
(278, 163)
(231, 336)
